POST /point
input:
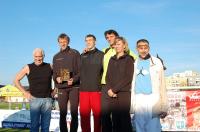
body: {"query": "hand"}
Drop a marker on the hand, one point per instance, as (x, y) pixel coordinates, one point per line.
(86, 50)
(28, 95)
(111, 93)
(70, 81)
(54, 93)
(163, 115)
(59, 80)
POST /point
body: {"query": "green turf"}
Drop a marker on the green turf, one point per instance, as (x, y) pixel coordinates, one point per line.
(5, 105)
(13, 130)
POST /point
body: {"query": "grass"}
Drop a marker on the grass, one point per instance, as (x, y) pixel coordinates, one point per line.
(5, 105)
(13, 130)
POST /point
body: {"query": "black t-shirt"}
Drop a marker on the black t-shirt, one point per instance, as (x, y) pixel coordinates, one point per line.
(39, 79)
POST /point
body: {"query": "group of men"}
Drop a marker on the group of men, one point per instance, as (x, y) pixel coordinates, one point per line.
(81, 80)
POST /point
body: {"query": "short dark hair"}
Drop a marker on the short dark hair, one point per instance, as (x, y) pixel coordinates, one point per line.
(64, 36)
(111, 31)
(142, 40)
(90, 35)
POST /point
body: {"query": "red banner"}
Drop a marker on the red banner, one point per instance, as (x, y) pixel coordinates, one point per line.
(193, 109)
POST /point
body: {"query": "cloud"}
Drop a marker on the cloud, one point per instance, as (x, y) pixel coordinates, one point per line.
(182, 66)
(192, 30)
(134, 7)
(176, 47)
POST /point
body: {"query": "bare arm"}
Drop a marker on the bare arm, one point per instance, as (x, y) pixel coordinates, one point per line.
(18, 84)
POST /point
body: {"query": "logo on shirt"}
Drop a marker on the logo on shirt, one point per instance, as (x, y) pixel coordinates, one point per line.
(59, 59)
(142, 72)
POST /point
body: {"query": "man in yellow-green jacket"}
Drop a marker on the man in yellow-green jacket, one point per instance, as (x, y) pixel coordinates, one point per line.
(110, 36)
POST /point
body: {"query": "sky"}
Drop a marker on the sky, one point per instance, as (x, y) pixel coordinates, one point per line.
(171, 26)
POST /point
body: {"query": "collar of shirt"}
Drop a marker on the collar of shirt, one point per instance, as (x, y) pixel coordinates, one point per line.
(65, 50)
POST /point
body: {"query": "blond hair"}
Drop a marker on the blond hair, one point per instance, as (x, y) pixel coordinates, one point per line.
(124, 42)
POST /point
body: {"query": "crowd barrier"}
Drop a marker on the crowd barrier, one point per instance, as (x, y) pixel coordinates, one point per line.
(183, 114)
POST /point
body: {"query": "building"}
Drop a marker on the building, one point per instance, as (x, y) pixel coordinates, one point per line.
(10, 93)
(183, 79)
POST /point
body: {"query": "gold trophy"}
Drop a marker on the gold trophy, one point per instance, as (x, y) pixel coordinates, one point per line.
(64, 74)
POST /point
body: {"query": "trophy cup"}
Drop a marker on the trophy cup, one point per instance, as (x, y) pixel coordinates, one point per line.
(64, 74)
